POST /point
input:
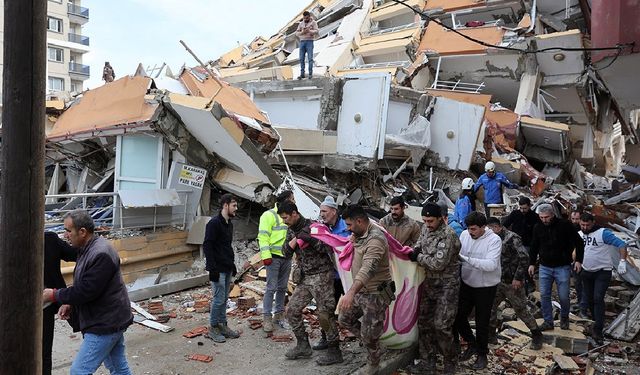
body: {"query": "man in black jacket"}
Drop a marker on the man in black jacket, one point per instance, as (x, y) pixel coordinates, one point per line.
(521, 222)
(554, 241)
(55, 250)
(221, 267)
(101, 307)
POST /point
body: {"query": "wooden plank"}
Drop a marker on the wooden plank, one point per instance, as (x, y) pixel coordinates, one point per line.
(151, 324)
(565, 363)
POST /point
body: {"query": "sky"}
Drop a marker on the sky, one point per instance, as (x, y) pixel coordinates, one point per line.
(129, 32)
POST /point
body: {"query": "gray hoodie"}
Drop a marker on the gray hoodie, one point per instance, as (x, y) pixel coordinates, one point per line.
(482, 268)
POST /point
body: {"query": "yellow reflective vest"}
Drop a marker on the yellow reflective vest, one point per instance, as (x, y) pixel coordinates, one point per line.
(272, 232)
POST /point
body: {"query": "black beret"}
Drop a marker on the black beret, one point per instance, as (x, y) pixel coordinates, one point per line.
(431, 210)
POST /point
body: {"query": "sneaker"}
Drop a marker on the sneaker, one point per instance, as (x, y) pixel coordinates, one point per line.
(564, 323)
(280, 321)
(546, 326)
(215, 334)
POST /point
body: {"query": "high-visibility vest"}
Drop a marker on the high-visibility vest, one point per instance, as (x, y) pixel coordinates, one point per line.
(272, 233)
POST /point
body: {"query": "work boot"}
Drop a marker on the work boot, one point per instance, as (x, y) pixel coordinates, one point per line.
(267, 323)
(322, 344)
(471, 350)
(215, 334)
(546, 326)
(480, 363)
(564, 323)
(536, 339)
(302, 348)
(280, 321)
(331, 356)
(228, 332)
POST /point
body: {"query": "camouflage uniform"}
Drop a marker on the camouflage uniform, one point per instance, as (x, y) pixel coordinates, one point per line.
(317, 282)
(439, 293)
(515, 263)
(371, 267)
(406, 230)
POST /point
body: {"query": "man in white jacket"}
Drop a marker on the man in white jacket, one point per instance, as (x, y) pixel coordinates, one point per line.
(480, 274)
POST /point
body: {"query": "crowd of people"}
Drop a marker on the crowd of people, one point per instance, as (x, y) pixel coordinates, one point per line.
(472, 263)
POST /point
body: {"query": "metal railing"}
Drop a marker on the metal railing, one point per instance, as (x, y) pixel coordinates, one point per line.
(80, 39)
(393, 29)
(391, 64)
(458, 86)
(77, 10)
(79, 68)
(105, 213)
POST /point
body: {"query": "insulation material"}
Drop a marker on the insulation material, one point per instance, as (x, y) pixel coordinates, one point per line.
(587, 148)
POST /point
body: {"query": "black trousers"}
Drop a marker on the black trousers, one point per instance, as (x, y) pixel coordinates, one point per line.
(482, 300)
(48, 320)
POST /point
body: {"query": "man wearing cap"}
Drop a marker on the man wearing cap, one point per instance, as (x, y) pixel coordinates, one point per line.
(492, 183)
(514, 262)
(437, 251)
(400, 226)
(554, 241)
(337, 226)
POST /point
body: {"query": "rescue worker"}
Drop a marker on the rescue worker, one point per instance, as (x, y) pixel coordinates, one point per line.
(437, 251)
(492, 183)
(369, 296)
(271, 235)
(582, 307)
(521, 222)
(316, 283)
(514, 262)
(466, 202)
(599, 244)
(400, 226)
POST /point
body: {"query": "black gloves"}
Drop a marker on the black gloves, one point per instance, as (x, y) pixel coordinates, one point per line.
(214, 276)
(413, 256)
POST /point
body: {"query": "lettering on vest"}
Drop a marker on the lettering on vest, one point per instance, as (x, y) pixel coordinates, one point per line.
(590, 241)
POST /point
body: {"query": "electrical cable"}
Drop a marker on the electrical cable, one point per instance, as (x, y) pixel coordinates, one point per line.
(618, 47)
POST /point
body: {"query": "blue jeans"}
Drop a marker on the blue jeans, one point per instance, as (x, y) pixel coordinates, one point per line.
(277, 278)
(595, 285)
(306, 47)
(96, 349)
(220, 292)
(561, 275)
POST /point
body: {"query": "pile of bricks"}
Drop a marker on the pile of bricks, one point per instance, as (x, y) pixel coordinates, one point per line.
(155, 307)
(202, 306)
(246, 303)
(255, 322)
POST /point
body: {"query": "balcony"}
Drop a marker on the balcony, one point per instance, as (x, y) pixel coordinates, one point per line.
(80, 39)
(79, 69)
(77, 14)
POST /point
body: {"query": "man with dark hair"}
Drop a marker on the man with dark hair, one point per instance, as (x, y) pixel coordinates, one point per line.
(55, 250)
(271, 235)
(554, 240)
(371, 277)
(522, 221)
(575, 218)
(600, 244)
(480, 273)
(317, 283)
(307, 32)
(514, 263)
(437, 251)
(101, 308)
(221, 266)
(400, 226)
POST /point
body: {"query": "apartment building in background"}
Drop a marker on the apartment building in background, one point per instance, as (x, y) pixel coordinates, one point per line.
(66, 46)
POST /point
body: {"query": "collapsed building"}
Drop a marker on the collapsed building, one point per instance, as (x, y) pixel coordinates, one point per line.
(408, 98)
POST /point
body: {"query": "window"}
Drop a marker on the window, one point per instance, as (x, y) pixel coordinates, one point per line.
(56, 54)
(76, 86)
(54, 24)
(56, 84)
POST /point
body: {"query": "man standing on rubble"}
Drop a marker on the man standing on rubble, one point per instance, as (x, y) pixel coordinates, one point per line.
(221, 266)
(400, 226)
(599, 244)
(271, 235)
(437, 251)
(514, 262)
(317, 274)
(97, 303)
(336, 224)
(554, 240)
(480, 272)
(466, 202)
(372, 289)
(521, 222)
(307, 32)
(492, 183)
(582, 307)
(108, 75)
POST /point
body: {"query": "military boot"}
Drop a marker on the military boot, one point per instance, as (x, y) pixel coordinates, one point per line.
(536, 339)
(331, 356)
(322, 344)
(267, 323)
(228, 332)
(302, 348)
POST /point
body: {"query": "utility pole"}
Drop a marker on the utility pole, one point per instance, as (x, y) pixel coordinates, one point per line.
(22, 186)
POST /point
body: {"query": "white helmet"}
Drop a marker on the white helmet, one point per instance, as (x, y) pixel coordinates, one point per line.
(467, 183)
(490, 166)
